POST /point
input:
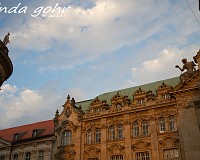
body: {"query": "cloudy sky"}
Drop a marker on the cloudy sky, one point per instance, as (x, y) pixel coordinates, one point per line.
(89, 47)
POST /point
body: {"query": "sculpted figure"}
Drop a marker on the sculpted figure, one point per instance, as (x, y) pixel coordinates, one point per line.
(190, 68)
(6, 39)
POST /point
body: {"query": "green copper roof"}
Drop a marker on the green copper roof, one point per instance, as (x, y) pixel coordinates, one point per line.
(129, 91)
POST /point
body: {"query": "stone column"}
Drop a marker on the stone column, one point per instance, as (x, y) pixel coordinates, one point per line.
(103, 139)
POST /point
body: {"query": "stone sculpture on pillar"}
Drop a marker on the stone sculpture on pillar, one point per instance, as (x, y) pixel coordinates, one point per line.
(189, 67)
(6, 39)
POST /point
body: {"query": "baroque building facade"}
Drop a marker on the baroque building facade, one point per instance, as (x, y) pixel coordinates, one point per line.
(155, 121)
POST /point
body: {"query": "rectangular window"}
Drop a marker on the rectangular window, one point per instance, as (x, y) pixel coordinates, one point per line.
(16, 137)
(27, 156)
(142, 156)
(116, 157)
(15, 157)
(34, 133)
(140, 101)
(165, 96)
(97, 110)
(41, 155)
(170, 154)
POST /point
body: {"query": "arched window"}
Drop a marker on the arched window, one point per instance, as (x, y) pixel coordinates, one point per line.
(135, 129)
(171, 123)
(119, 131)
(116, 157)
(67, 138)
(145, 127)
(111, 133)
(97, 135)
(162, 127)
(89, 136)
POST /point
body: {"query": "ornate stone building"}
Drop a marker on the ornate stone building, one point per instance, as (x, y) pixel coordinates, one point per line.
(6, 67)
(28, 142)
(156, 121)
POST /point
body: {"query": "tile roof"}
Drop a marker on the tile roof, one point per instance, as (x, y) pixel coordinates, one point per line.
(129, 91)
(26, 131)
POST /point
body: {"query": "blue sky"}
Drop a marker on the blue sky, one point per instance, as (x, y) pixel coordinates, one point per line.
(95, 46)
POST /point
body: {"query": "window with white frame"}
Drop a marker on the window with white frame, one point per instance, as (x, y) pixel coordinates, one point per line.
(2, 157)
(15, 156)
(116, 157)
(171, 123)
(135, 129)
(142, 156)
(165, 96)
(97, 135)
(97, 110)
(140, 101)
(162, 127)
(89, 136)
(41, 155)
(27, 156)
(119, 131)
(67, 138)
(145, 127)
(111, 133)
(170, 154)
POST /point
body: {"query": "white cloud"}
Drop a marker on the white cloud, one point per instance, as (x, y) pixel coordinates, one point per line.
(163, 66)
(29, 106)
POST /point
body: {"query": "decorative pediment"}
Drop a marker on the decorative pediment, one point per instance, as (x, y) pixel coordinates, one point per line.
(66, 125)
(97, 105)
(139, 92)
(140, 144)
(65, 153)
(169, 141)
(92, 151)
(116, 148)
(120, 100)
(164, 87)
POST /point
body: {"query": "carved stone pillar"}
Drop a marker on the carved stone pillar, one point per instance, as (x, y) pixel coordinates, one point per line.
(154, 137)
(127, 135)
(103, 139)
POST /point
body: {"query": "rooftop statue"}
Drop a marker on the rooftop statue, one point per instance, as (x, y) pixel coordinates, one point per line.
(190, 68)
(6, 39)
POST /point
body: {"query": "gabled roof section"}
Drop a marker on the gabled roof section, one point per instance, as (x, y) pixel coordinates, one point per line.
(129, 91)
(46, 126)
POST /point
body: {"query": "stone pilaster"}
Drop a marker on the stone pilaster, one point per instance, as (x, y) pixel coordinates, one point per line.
(127, 135)
(103, 139)
(154, 139)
